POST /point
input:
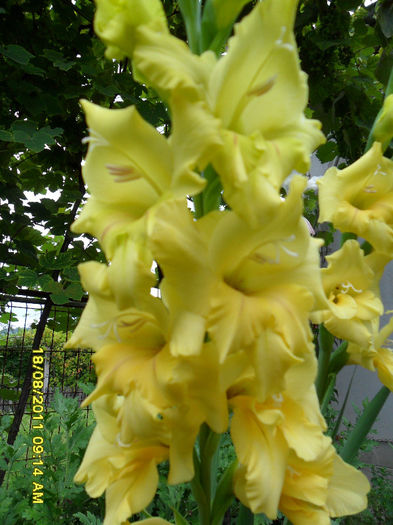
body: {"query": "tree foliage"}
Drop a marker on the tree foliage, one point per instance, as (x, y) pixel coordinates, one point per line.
(50, 59)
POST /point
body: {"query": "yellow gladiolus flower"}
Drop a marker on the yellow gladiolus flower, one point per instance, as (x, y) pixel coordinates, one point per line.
(116, 22)
(314, 491)
(245, 91)
(103, 323)
(235, 294)
(264, 434)
(351, 283)
(129, 167)
(155, 521)
(359, 199)
(378, 357)
(126, 471)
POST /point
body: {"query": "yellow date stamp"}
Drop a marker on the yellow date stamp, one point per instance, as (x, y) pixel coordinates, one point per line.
(37, 403)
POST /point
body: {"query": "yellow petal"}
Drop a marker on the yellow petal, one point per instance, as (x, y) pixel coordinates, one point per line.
(351, 282)
(122, 140)
(96, 470)
(132, 491)
(168, 65)
(348, 488)
(384, 365)
(192, 145)
(115, 22)
(122, 366)
(249, 90)
(359, 199)
(262, 455)
(103, 323)
(155, 521)
(271, 365)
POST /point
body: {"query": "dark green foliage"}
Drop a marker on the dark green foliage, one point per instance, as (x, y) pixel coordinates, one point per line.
(49, 60)
(347, 53)
(66, 433)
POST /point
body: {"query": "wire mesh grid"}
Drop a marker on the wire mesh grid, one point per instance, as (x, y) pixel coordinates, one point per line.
(63, 369)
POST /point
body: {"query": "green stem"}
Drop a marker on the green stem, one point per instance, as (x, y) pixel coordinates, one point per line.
(246, 517)
(325, 339)
(329, 392)
(198, 203)
(224, 495)
(364, 425)
(199, 493)
(208, 443)
(339, 358)
(191, 12)
(204, 482)
(333, 433)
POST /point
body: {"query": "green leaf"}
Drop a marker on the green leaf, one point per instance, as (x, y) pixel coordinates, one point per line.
(211, 195)
(179, 519)
(364, 425)
(74, 291)
(10, 395)
(71, 274)
(52, 261)
(246, 517)
(59, 298)
(58, 59)
(27, 278)
(34, 70)
(224, 495)
(327, 152)
(25, 131)
(191, 12)
(350, 5)
(327, 236)
(87, 519)
(17, 53)
(217, 21)
(385, 18)
(6, 135)
(48, 284)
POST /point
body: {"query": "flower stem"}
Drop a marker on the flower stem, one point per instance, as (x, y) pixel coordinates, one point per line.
(204, 482)
(246, 517)
(325, 340)
(363, 425)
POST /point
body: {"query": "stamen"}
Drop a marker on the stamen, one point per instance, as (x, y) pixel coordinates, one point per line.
(122, 173)
(262, 260)
(290, 252)
(279, 40)
(264, 88)
(346, 286)
(370, 189)
(95, 139)
(292, 471)
(280, 43)
(120, 443)
(99, 325)
(379, 171)
(278, 398)
(116, 332)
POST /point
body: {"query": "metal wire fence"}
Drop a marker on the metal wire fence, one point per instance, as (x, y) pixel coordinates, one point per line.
(64, 369)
